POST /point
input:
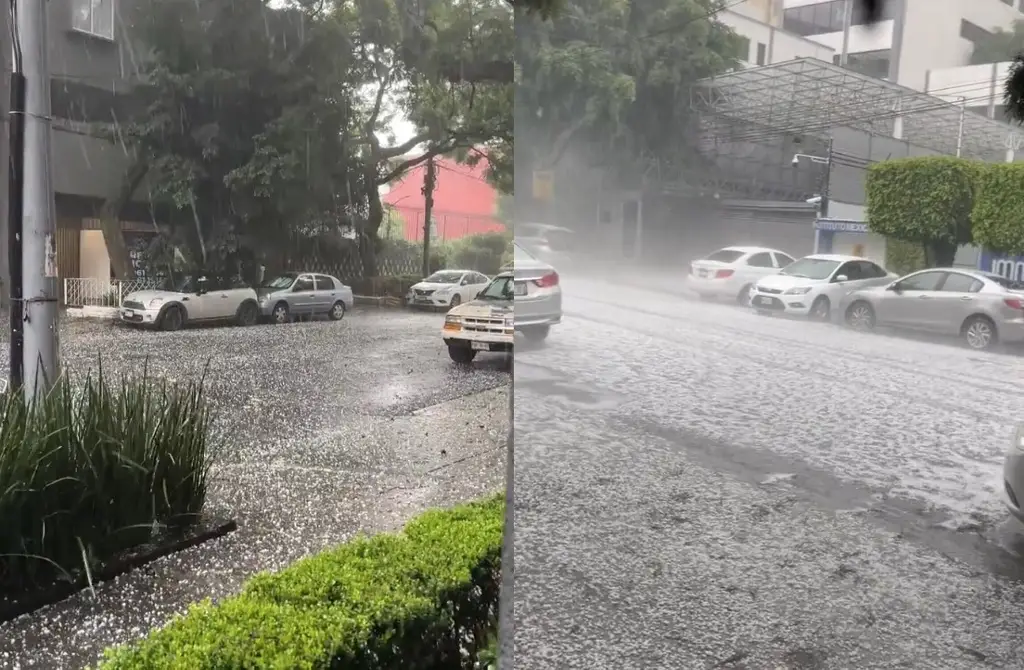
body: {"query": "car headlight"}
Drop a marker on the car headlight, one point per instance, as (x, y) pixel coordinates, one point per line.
(454, 320)
(156, 302)
(1018, 438)
(799, 290)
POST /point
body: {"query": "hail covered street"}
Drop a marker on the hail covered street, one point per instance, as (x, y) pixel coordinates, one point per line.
(326, 430)
(698, 486)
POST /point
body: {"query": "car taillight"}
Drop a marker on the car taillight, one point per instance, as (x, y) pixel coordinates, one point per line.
(1014, 303)
(547, 281)
(723, 274)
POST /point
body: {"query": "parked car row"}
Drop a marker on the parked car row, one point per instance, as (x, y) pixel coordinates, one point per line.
(982, 308)
(201, 299)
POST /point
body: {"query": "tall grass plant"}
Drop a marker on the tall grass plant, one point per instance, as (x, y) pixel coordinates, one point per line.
(94, 468)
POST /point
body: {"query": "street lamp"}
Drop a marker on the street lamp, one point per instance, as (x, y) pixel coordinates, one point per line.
(821, 200)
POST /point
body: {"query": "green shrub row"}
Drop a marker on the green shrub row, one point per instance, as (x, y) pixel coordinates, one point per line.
(939, 203)
(93, 468)
(422, 599)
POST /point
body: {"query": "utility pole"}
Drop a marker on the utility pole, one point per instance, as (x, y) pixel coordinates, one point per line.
(429, 182)
(960, 127)
(39, 246)
(6, 66)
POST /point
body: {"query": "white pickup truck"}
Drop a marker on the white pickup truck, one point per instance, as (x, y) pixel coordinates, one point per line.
(485, 323)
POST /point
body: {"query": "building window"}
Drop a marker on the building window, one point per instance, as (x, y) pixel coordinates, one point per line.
(743, 51)
(871, 63)
(762, 53)
(973, 33)
(95, 17)
(829, 17)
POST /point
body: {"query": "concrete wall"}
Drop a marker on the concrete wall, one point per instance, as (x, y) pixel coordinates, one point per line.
(779, 46)
(848, 173)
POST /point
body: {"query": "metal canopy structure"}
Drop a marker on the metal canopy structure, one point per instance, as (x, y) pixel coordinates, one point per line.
(808, 96)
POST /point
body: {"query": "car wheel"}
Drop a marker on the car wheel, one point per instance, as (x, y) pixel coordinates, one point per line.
(860, 316)
(536, 333)
(337, 312)
(821, 309)
(280, 313)
(461, 355)
(979, 332)
(173, 319)
(248, 314)
(743, 297)
(456, 300)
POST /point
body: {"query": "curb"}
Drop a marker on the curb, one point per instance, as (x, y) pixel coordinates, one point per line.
(55, 594)
(378, 301)
(91, 312)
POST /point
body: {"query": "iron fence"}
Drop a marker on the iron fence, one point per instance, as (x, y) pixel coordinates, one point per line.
(92, 292)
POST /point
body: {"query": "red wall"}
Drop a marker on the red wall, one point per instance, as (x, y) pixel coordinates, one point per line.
(464, 203)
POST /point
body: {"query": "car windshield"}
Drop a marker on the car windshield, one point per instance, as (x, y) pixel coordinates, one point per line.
(500, 288)
(444, 277)
(281, 281)
(811, 268)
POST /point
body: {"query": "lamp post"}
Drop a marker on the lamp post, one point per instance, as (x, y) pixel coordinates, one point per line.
(823, 199)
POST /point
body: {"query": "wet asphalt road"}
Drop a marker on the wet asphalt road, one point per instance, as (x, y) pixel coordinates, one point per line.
(700, 487)
(330, 429)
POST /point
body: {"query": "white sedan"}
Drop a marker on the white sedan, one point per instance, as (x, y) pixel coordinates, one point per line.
(731, 272)
(447, 288)
(814, 285)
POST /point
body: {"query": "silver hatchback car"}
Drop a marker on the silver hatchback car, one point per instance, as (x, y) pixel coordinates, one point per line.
(294, 294)
(981, 307)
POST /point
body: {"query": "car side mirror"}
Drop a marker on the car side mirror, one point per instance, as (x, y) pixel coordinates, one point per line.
(895, 288)
(841, 278)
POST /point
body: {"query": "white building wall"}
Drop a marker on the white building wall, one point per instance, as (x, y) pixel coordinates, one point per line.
(931, 34)
(765, 11)
(779, 46)
(981, 85)
(862, 38)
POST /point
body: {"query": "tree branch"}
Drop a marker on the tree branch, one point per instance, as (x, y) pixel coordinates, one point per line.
(378, 102)
(405, 166)
(404, 147)
(561, 143)
(497, 72)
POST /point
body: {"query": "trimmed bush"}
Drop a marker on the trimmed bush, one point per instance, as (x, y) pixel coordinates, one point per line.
(925, 201)
(483, 252)
(90, 470)
(998, 216)
(422, 599)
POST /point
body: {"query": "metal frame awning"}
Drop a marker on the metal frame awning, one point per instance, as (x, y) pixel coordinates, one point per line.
(808, 96)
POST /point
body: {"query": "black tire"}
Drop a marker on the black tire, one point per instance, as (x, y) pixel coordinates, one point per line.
(280, 313)
(743, 297)
(536, 333)
(979, 332)
(821, 309)
(173, 319)
(248, 314)
(337, 312)
(456, 300)
(860, 316)
(461, 355)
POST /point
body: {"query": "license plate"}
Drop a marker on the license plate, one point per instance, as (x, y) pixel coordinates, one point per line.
(479, 346)
(764, 301)
(520, 288)
(702, 273)
(129, 312)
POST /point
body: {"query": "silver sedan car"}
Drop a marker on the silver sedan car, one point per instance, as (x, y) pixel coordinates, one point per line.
(306, 294)
(538, 295)
(1013, 475)
(981, 307)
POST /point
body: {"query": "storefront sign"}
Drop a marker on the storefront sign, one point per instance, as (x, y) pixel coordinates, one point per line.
(839, 226)
(1011, 267)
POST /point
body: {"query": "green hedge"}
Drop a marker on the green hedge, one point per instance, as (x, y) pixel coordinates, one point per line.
(422, 599)
(924, 200)
(998, 216)
(90, 469)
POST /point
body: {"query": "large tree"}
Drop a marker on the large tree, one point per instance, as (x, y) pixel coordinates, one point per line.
(612, 78)
(407, 67)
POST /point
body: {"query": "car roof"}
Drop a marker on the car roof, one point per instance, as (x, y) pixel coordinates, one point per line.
(545, 227)
(837, 257)
(749, 250)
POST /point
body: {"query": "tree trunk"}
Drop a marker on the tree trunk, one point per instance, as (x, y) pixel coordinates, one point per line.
(110, 222)
(940, 255)
(369, 237)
